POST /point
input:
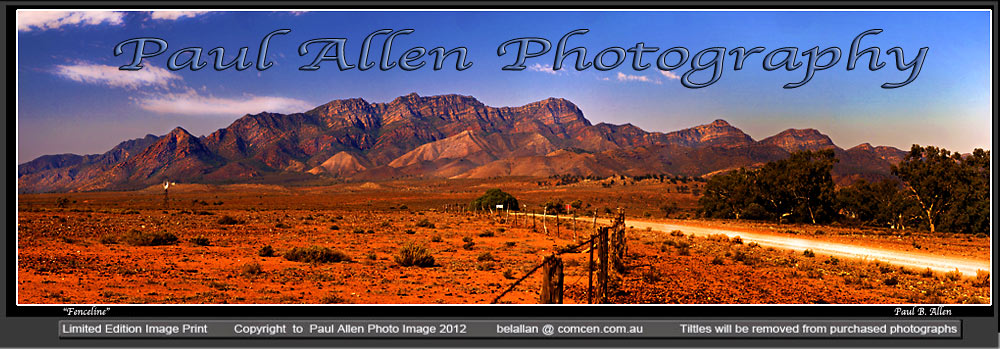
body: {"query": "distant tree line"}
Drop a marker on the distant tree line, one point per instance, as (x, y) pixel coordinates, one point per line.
(934, 190)
(566, 179)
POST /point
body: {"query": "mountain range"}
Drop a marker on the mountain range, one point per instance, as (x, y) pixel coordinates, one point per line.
(447, 136)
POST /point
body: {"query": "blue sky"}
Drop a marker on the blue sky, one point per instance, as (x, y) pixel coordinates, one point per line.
(72, 98)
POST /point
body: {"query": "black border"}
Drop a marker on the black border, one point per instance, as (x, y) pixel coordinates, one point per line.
(466, 311)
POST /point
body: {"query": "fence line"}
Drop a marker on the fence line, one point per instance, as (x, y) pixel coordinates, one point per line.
(611, 249)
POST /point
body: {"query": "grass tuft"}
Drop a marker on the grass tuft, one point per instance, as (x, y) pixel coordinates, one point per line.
(413, 254)
(315, 254)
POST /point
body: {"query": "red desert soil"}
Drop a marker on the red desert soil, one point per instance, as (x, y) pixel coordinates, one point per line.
(86, 251)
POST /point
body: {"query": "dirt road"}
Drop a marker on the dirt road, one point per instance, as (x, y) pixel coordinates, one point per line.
(915, 260)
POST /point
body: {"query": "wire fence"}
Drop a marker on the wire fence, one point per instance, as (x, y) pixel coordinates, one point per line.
(609, 243)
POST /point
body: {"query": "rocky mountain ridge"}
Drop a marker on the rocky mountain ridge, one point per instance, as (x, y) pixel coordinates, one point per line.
(447, 136)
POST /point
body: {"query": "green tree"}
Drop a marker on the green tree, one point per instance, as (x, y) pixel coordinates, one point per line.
(949, 189)
(554, 206)
(729, 195)
(494, 197)
(952, 190)
(800, 187)
(878, 204)
(971, 214)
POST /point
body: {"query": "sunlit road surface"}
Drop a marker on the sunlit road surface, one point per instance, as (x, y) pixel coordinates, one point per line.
(914, 260)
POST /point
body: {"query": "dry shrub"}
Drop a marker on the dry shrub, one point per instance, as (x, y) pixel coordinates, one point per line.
(266, 251)
(315, 254)
(652, 275)
(486, 266)
(982, 278)
(201, 240)
(139, 238)
(469, 244)
(332, 299)
(250, 270)
(953, 275)
(228, 220)
(424, 223)
(717, 260)
(717, 237)
(413, 254)
(108, 239)
(683, 251)
(485, 256)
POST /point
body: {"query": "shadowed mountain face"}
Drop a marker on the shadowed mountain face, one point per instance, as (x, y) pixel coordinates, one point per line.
(448, 136)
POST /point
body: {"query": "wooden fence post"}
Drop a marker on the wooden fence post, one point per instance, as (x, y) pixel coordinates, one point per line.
(618, 249)
(557, 223)
(574, 226)
(595, 220)
(552, 280)
(590, 271)
(602, 273)
(545, 212)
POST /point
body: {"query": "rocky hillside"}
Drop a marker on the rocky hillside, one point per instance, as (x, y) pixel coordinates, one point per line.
(449, 136)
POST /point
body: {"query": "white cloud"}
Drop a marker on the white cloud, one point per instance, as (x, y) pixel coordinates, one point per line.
(636, 78)
(670, 75)
(193, 103)
(111, 76)
(175, 15)
(44, 20)
(544, 69)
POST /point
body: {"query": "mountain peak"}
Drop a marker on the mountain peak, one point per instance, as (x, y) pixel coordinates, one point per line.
(863, 146)
(800, 132)
(719, 123)
(555, 101)
(718, 133)
(553, 111)
(179, 132)
(800, 139)
(410, 97)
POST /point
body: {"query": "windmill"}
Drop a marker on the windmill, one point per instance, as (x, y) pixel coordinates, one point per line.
(166, 186)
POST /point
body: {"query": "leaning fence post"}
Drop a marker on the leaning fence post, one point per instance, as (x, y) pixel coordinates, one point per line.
(552, 280)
